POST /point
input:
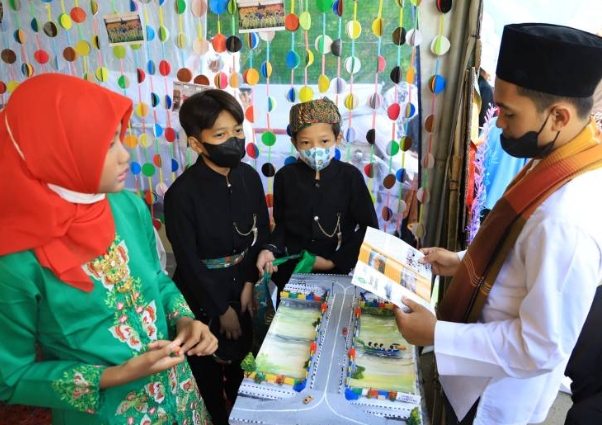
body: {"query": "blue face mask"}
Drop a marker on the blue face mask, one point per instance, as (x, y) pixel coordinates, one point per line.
(317, 158)
(527, 146)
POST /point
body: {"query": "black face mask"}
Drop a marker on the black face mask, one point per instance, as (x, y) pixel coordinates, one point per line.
(227, 154)
(526, 146)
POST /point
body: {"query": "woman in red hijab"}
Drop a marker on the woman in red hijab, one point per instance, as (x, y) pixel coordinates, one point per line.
(79, 271)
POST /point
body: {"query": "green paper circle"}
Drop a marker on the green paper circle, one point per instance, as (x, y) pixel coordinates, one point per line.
(268, 138)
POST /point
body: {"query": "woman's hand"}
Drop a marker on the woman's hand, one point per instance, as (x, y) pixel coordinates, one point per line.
(246, 298)
(229, 324)
(265, 261)
(442, 261)
(195, 337)
(161, 355)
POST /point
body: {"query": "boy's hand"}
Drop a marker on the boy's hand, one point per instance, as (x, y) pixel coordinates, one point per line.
(229, 324)
(442, 261)
(265, 261)
(246, 298)
(322, 264)
(417, 326)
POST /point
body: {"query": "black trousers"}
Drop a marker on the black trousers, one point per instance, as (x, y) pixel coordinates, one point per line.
(452, 419)
(585, 369)
(216, 382)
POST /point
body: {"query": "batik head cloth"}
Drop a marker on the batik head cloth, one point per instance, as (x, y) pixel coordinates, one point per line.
(315, 111)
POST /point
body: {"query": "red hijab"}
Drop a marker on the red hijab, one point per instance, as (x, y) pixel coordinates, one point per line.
(57, 129)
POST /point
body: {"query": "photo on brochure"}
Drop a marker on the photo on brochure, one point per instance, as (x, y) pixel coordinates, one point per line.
(182, 91)
(390, 268)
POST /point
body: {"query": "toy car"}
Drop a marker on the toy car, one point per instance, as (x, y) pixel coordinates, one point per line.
(308, 399)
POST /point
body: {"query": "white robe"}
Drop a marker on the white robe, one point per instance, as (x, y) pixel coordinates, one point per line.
(515, 357)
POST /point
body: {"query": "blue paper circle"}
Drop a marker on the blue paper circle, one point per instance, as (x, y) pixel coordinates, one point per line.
(135, 168)
(158, 130)
(293, 59)
(218, 6)
(174, 165)
(150, 33)
(400, 174)
(150, 67)
(350, 135)
(290, 160)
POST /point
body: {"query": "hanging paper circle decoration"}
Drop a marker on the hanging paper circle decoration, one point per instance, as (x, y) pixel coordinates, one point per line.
(161, 189)
(174, 165)
(290, 160)
(291, 22)
(252, 150)
(405, 143)
(337, 8)
(428, 161)
(102, 74)
(353, 64)
(422, 195)
(251, 76)
(20, 36)
(163, 34)
(271, 104)
(411, 75)
(323, 44)
(250, 114)
(164, 68)
(375, 101)
(142, 109)
(309, 58)
(266, 69)
(50, 29)
(389, 181)
(323, 5)
(440, 45)
(94, 7)
(150, 33)
(170, 134)
(416, 2)
(306, 94)
(410, 110)
(252, 40)
(150, 67)
(130, 141)
(235, 80)
(144, 140)
(157, 128)
(399, 36)
(268, 170)
(339, 85)
(65, 21)
(393, 111)
(353, 29)
(198, 8)
(233, 44)
(8, 56)
(267, 35)
(414, 37)
(337, 47)
(377, 27)
(436, 84)
(291, 95)
(392, 148)
(184, 75)
(400, 174)
(148, 169)
(221, 80)
(119, 52)
(181, 40)
(337, 154)
(269, 200)
(293, 59)
(305, 20)
(387, 213)
(155, 100)
(78, 15)
(371, 136)
(41, 56)
(218, 6)
(141, 75)
(444, 6)
(268, 138)
(135, 168)
(201, 79)
(157, 160)
(429, 123)
(323, 83)
(200, 46)
(12, 85)
(180, 6)
(26, 70)
(381, 63)
(350, 135)
(35, 25)
(219, 43)
(369, 170)
(69, 54)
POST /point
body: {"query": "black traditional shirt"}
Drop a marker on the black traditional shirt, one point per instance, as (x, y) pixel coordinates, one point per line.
(206, 217)
(306, 212)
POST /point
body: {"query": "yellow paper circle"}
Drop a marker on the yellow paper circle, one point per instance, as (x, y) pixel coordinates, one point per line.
(181, 40)
(411, 75)
(82, 48)
(440, 45)
(102, 74)
(12, 85)
(200, 46)
(306, 94)
(323, 83)
(354, 29)
(305, 20)
(130, 141)
(251, 76)
(144, 139)
(142, 110)
(377, 27)
(309, 58)
(351, 101)
(65, 21)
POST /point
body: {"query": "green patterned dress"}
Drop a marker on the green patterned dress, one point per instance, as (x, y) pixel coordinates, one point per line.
(80, 334)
